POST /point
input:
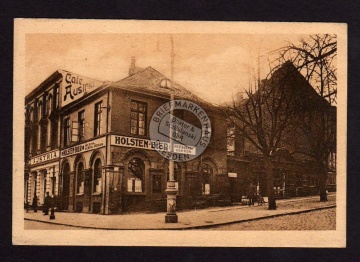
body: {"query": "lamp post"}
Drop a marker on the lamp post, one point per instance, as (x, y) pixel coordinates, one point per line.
(171, 191)
(171, 216)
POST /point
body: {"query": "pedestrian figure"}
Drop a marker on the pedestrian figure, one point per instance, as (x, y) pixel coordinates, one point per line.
(47, 203)
(260, 199)
(35, 203)
(251, 194)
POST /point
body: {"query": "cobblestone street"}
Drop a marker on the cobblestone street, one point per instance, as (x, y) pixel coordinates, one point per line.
(314, 220)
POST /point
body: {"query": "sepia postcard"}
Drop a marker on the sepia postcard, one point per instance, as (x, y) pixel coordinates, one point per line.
(169, 133)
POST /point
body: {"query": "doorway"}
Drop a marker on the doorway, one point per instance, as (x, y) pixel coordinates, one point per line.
(65, 187)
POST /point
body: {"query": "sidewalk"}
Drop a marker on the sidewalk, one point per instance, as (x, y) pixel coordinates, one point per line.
(193, 219)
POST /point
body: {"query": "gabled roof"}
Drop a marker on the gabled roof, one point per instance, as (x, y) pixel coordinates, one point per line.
(297, 82)
(148, 80)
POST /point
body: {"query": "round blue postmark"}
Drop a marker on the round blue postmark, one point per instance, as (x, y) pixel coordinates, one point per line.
(180, 130)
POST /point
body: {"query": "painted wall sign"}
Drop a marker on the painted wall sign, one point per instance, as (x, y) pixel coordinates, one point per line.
(91, 145)
(138, 143)
(74, 87)
(44, 157)
(150, 144)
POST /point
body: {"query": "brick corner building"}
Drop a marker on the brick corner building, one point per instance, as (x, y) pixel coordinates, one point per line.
(87, 143)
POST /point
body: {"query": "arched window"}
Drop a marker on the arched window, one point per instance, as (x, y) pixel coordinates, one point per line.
(80, 179)
(206, 172)
(97, 176)
(136, 169)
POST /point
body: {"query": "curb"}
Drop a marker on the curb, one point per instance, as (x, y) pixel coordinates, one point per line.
(190, 227)
(260, 218)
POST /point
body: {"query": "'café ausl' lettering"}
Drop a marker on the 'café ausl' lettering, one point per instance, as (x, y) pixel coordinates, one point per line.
(44, 157)
(74, 87)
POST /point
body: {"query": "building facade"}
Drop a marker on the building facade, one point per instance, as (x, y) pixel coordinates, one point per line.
(87, 142)
(296, 172)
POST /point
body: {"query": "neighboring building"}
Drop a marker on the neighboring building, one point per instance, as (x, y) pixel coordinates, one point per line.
(87, 142)
(295, 173)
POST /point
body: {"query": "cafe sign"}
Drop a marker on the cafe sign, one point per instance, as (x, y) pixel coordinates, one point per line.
(76, 86)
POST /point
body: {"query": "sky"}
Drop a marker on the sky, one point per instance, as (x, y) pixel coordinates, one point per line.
(212, 66)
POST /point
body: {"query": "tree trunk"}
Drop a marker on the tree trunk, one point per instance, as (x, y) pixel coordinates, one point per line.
(270, 183)
(322, 183)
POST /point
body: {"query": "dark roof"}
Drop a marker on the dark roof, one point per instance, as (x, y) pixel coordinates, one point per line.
(148, 80)
(292, 78)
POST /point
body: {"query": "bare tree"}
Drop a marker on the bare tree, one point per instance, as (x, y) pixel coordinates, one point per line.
(315, 58)
(264, 116)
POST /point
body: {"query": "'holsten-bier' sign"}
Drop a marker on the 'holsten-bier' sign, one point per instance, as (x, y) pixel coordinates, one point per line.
(74, 87)
(150, 144)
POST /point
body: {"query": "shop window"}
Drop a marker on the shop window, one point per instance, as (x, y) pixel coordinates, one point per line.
(81, 125)
(97, 119)
(156, 183)
(80, 179)
(97, 176)
(136, 175)
(138, 118)
(206, 172)
(66, 131)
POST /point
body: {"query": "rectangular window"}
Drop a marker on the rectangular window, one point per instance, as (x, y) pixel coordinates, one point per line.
(54, 134)
(67, 131)
(39, 137)
(81, 121)
(138, 118)
(74, 131)
(97, 119)
(48, 136)
(231, 140)
(56, 96)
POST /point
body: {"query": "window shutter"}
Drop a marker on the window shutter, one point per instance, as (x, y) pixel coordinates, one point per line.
(74, 131)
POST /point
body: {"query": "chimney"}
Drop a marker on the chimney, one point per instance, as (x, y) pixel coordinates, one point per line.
(132, 66)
